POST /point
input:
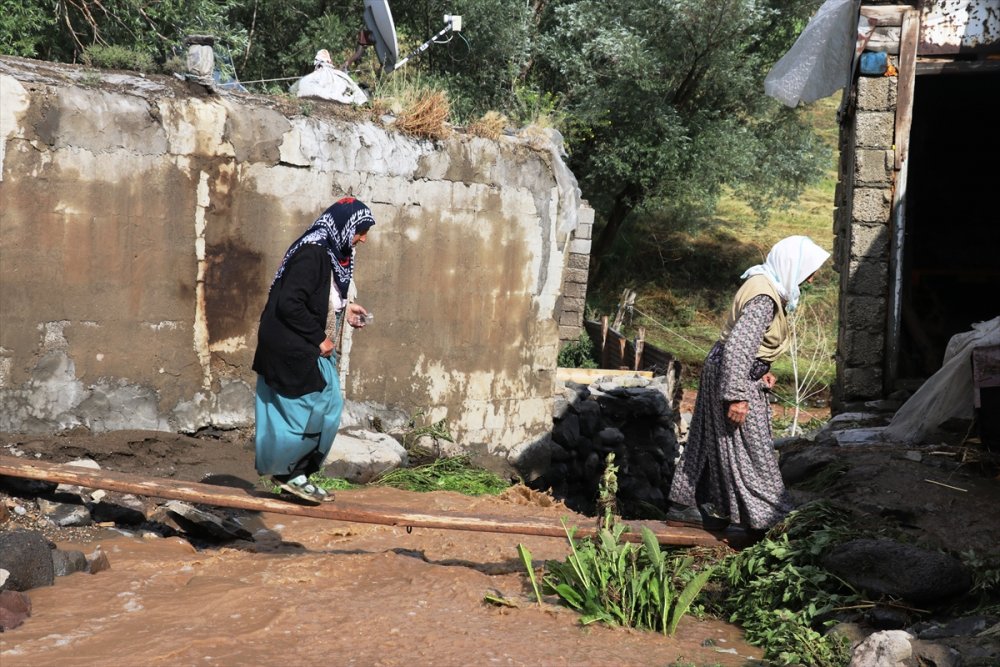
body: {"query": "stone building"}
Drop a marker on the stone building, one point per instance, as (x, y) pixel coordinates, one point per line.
(917, 223)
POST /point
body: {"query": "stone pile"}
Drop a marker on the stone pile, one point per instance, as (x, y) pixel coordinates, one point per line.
(632, 417)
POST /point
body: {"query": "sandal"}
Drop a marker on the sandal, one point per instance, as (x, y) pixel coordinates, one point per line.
(301, 487)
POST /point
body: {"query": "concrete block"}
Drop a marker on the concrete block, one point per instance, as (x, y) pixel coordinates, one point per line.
(874, 129)
(866, 313)
(873, 93)
(868, 278)
(862, 383)
(870, 241)
(575, 291)
(872, 205)
(585, 215)
(570, 318)
(862, 348)
(574, 304)
(580, 246)
(569, 333)
(873, 167)
(578, 261)
(575, 276)
(583, 231)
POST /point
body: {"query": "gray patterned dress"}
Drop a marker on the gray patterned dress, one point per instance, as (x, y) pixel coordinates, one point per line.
(734, 468)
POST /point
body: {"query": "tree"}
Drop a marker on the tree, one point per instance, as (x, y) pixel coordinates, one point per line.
(666, 104)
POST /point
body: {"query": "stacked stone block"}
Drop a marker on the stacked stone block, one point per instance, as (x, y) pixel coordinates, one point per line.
(573, 305)
(862, 230)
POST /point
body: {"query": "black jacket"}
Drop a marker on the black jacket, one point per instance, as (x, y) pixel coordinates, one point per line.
(293, 324)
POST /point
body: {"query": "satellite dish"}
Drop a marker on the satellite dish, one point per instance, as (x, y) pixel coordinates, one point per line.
(378, 20)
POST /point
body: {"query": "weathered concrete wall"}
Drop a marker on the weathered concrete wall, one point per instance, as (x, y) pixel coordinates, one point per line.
(142, 222)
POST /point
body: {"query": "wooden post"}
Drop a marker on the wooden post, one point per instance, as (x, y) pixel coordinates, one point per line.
(904, 115)
(604, 341)
(640, 343)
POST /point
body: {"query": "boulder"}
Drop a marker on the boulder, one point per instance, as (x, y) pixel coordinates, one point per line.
(68, 562)
(886, 567)
(889, 648)
(26, 555)
(361, 456)
(15, 606)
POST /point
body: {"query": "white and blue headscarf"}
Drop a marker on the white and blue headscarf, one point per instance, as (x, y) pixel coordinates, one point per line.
(334, 230)
(790, 262)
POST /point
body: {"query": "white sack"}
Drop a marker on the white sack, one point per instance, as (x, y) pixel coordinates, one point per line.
(948, 393)
(327, 83)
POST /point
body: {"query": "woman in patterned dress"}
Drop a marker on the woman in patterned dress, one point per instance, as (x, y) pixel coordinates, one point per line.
(729, 471)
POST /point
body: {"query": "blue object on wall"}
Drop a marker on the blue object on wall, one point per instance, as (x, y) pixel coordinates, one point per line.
(874, 63)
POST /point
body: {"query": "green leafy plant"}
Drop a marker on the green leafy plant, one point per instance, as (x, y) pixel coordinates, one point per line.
(580, 353)
(455, 473)
(781, 595)
(617, 582)
(317, 479)
(986, 580)
(528, 565)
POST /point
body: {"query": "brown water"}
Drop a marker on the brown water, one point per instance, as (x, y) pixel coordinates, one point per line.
(336, 594)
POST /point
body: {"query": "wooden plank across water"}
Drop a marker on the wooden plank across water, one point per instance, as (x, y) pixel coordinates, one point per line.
(261, 501)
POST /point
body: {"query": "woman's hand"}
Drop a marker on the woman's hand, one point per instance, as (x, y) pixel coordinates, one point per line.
(737, 412)
(326, 348)
(356, 315)
(769, 380)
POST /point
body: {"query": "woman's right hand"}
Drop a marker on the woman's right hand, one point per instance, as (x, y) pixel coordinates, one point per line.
(737, 412)
(326, 348)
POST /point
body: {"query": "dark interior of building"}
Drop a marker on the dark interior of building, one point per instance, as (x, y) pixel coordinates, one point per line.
(951, 250)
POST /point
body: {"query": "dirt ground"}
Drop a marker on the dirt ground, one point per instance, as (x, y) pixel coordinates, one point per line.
(317, 591)
(357, 594)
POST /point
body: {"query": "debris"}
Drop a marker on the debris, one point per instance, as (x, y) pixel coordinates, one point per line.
(947, 486)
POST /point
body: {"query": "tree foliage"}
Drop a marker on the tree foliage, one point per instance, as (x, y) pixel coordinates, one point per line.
(661, 101)
(667, 107)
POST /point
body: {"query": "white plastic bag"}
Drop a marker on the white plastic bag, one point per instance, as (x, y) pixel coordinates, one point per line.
(820, 61)
(327, 83)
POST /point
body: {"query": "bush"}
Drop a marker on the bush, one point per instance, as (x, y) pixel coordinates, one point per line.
(581, 353)
(117, 57)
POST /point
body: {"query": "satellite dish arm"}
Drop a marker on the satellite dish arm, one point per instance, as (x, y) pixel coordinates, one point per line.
(453, 23)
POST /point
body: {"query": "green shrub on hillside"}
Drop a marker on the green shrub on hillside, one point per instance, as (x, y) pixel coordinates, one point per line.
(117, 57)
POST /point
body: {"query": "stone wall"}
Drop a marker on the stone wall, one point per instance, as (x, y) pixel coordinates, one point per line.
(143, 219)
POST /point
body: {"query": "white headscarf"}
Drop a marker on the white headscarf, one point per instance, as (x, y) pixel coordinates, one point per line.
(790, 262)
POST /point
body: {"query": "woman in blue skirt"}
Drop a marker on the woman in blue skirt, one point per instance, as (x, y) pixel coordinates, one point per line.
(298, 393)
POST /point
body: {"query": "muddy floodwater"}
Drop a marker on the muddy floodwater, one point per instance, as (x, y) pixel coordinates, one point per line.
(331, 593)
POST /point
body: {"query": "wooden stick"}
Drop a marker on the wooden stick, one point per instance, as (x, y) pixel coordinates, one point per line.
(223, 496)
(947, 486)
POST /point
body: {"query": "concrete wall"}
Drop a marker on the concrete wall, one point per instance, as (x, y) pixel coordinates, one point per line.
(143, 218)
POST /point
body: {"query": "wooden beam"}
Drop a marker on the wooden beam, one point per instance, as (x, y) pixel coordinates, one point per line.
(884, 15)
(952, 66)
(223, 496)
(904, 84)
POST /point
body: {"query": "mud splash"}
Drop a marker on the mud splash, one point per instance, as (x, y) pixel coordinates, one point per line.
(336, 593)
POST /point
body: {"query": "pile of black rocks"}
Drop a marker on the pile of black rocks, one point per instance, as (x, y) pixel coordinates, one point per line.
(634, 418)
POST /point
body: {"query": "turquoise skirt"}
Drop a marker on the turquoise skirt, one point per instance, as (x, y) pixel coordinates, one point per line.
(292, 430)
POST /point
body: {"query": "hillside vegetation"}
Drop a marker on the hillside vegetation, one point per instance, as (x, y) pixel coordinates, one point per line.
(685, 278)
